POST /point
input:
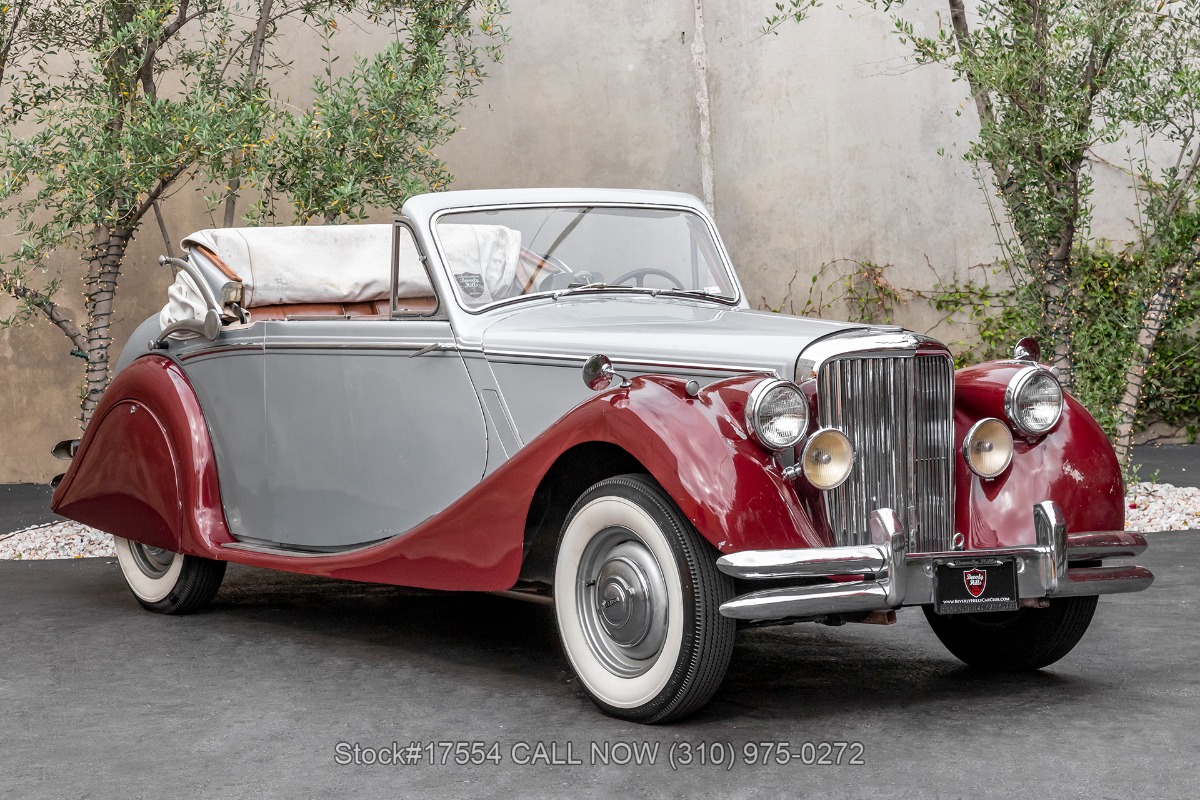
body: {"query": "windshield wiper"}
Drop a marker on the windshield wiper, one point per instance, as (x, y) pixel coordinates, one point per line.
(701, 294)
(603, 286)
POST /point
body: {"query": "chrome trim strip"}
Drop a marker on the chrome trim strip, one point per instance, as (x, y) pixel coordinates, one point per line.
(233, 348)
(878, 341)
(523, 356)
(283, 551)
(343, 345)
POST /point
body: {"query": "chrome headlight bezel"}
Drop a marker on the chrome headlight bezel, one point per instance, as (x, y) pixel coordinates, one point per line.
(1012, 398)
(755, 424)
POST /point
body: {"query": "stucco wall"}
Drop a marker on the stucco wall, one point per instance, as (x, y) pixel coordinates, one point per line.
(824, 146)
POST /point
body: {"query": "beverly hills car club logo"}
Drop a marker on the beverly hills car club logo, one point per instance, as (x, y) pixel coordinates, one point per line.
(976, 581)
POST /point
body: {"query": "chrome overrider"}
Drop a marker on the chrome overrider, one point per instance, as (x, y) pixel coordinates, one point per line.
(889, 576)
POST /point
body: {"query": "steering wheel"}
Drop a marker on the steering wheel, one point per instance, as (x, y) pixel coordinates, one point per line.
(641, 273)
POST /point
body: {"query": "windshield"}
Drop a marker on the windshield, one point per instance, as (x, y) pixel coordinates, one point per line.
(506, 253)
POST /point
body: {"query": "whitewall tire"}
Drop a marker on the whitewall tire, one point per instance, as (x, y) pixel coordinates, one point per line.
(166, 582)
(637, 597)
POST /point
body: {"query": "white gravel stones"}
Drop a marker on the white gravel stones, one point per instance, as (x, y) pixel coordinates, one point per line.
(1162, 507)
(60, 540)
(1149, 507)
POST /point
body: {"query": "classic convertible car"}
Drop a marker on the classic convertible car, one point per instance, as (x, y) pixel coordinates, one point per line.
(565, 394)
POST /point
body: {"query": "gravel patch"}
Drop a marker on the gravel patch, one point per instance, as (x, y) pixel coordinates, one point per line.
(1162, 507)
(1150, 507)
(58, 540)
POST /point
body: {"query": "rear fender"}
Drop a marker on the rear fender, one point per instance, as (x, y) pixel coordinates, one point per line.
(145, 468)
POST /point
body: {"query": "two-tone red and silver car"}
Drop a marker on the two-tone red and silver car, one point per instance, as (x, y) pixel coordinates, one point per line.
(565, 394)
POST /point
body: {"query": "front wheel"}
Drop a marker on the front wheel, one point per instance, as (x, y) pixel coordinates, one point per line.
(167, 582)
(637, 595)
(1015, 641)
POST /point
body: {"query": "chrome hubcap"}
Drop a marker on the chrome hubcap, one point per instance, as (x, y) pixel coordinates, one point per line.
(622, 599)
(154, 562)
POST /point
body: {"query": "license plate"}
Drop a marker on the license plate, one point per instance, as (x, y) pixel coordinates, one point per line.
(973, 585)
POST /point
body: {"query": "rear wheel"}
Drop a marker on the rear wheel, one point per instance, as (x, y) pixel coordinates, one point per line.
(167, 582)
(637, 596)
(1015, 641)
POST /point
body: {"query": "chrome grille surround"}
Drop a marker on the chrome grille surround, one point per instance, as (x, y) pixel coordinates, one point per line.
(898, 410)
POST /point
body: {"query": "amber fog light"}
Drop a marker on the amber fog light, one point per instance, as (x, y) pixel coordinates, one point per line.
(988, 447)
(827, 458)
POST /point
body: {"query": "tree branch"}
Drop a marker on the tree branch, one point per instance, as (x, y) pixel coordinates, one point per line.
(46, 306)
(987, 117)
(162, 228)
(132, 218)
(252, 69)
(18, 13)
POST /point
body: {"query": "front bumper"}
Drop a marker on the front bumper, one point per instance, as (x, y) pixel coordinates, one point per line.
(888, 576)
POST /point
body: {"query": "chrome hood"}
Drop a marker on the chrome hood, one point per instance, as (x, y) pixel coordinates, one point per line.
(642, 333)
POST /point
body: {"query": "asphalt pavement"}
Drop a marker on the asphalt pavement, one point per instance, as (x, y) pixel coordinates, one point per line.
(263, 694)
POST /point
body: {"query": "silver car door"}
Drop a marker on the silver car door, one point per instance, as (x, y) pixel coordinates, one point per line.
(371, 428)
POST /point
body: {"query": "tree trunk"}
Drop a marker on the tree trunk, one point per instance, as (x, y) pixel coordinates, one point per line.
(1157, 312)
(104, 268)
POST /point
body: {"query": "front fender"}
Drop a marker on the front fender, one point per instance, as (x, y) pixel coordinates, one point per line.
(1073, 465)
(699, 452)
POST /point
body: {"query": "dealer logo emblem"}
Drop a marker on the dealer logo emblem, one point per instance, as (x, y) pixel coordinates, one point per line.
(976, 581)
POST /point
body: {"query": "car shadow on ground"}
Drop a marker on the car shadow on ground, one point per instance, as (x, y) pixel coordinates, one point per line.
(803, 672)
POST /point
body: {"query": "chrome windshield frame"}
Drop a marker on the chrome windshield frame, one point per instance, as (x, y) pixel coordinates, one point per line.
(718, 245)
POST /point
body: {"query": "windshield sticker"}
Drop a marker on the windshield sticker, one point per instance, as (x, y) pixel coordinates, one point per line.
(471, 283)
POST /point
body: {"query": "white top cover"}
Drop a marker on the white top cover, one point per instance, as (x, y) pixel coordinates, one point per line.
(314, 264)
(184, 301)
(343, 264)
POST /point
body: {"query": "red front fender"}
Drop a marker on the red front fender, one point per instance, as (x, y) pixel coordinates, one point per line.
(699, 452)
(1073, 465)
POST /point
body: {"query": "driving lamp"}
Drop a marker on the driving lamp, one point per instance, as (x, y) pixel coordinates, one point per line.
(827, 458)
(988, 448)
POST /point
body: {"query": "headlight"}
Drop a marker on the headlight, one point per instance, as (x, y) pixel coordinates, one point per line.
(827, 458)
(777, 414)
(1033, 401)
(988, 447)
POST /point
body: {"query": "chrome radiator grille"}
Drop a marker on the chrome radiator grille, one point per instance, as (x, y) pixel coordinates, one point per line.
(898, 413)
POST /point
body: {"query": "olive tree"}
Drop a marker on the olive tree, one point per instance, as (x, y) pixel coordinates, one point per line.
(1050, 81)
(108, 107)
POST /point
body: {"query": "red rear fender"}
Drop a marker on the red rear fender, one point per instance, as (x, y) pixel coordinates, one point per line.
(145, 467)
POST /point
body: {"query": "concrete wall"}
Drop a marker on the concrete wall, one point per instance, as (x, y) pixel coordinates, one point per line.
(824, 139)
